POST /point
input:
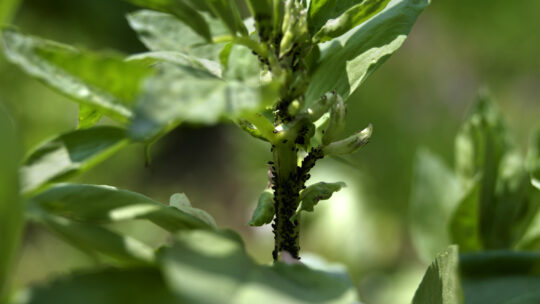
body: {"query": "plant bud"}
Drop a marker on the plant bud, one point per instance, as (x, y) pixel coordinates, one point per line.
(265, 209)
(349, 144)
(322, 106)
(294, 26)
(336, 123)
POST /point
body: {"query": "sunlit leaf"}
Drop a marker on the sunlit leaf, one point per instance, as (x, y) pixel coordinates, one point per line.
(163, 32)
(346, 61)
(500, 277)
(208, 267)
(182, 10)
(117, 286)
(440, 284)
(434, 196)
(354, 16)
(105, 204)
(209, 66)
(11, 213)
(178, 95)
(69, 154)
(311, 196)
(104, 82)
(93, 239)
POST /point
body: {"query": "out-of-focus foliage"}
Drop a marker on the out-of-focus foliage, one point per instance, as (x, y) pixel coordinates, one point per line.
(488, 203)
(11, 208)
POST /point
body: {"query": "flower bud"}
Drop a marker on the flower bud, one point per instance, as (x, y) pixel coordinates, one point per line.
(349, 144)
(336, 123)
(322, 106)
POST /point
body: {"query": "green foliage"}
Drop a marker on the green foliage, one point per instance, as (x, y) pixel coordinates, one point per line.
(500, 277)
(264, 214)
(7, 10)
(346, 61)
(311, 196)
(102, 82)
(207, 267)
(105, 204)
(488, 203)
(270, 75)
(11, 209)
(440, 284)
(69, 154)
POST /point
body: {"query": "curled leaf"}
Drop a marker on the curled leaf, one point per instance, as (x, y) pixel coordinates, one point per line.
(264, 213)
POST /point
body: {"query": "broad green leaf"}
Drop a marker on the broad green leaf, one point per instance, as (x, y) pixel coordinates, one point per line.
(182, 10)
(434, 196)
(105, 204)
(176, 95)
(311, 196)
(346, 61)
(265, 211)
(354, 16)
(228, 12)
(209, 66)
(515, 205)
(11, 210)
(503, 277)
(93, 239)
(163, 32)
(88, 117)
(483, 151)
(7, 10)
(533, 159)
(104, 82)
(182, 203)
(69, 154)
(118, 286)
(464, 224)
(440, 284)
(320, 11)
(209, 267)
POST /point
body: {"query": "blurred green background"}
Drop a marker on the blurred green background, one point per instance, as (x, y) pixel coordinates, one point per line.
(418, 98)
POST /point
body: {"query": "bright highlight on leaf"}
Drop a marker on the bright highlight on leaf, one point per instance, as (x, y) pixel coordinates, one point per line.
(103, 82)
(69, 154)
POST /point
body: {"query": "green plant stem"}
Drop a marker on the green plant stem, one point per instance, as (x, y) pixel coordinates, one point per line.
(286, 194)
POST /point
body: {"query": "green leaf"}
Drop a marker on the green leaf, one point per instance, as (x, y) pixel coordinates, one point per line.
(354, 16)
(182, 203)
(93, 239)
(182, 10)
(311, 196)
(504, 277)
(209, 267)
(440, 284)
(69, 154)
(346, 61)
(7, 10)
(183, 60)
(105, 204)
(88, 116)
(163, 32)
(464, 224)
(11, 210)
(119, 286)
(320, 11)
(104, 82)
(265, 211)
(485, 152)
(533, 159)
(178, 95)
(228, 12)
(434, 196)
